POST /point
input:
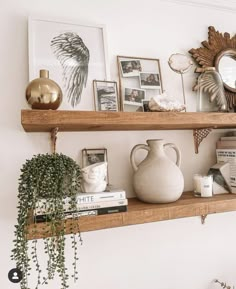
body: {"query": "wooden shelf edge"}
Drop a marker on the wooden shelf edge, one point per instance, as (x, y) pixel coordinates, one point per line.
(46, 120)
(141, 213)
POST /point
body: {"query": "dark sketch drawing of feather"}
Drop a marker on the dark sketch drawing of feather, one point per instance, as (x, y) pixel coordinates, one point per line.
(210, 84)
(73, 55)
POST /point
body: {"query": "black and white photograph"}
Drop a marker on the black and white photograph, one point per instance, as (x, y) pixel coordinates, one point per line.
(130, 68)
(105, 95)
(66, 49)
(149, 80)
(92, 156)
(134, 96)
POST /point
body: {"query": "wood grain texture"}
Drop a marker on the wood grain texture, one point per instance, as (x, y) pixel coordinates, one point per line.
(140, 213)
(46, 120)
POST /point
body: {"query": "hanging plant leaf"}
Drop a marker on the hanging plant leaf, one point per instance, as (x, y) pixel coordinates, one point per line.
(51, 177)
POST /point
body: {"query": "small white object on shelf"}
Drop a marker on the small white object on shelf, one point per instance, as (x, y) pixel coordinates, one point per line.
(197, 185)
(163, 102)
(221, 178)
(94, 178)
(206, 186)
(181, 64)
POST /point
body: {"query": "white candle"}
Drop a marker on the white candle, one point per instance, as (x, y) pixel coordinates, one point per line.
(206, 186)
(197, 184)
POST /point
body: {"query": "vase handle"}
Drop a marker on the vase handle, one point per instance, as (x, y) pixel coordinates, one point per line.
(178, 153)
(132, 154)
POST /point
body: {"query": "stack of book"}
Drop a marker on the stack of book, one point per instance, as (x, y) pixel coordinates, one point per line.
(88, 204)
(226, 152)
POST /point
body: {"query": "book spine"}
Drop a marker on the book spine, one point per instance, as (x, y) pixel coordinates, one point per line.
(221, 144)
(83, 207)
(228, 138)
(87, 198)
(70, 215)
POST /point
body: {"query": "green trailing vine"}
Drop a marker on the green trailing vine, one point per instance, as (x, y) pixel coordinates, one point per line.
(52, 179)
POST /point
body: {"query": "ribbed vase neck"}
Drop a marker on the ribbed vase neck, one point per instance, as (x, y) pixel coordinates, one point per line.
(43, 73)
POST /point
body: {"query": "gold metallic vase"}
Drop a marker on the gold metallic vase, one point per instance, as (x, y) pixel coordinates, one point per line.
(43, 93)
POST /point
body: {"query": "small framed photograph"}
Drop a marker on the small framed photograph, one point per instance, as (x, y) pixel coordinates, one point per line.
(134, 96)
(105, 95)
(93, 156)
(130, 68)
(140, 76)
(149, 80)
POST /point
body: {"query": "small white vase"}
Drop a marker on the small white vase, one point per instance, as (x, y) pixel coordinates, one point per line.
(157, 179)
(94, 178)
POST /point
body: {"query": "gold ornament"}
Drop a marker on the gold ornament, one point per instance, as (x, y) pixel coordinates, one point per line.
(43, 93)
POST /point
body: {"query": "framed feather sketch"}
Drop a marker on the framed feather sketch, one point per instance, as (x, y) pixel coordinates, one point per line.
(74, 54)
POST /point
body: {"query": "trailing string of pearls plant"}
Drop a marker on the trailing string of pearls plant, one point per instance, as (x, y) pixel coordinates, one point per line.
(51, 177)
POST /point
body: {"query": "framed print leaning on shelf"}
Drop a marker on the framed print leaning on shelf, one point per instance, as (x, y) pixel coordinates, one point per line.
(93, 156)
(139, 80)
(74, 54)
(105, 95)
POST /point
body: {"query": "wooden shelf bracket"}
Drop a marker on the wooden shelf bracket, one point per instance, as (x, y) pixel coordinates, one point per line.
(199, 135)
(54, 139)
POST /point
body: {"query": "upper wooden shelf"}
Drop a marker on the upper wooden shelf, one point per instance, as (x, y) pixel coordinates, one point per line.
(46, 120)
(140, 213)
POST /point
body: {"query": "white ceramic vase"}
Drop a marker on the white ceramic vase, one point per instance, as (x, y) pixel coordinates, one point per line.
(157, 179)
(94, 178)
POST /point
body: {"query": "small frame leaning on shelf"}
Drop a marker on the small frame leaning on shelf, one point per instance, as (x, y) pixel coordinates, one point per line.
(139, 80)
(105, 95)
(92, 156)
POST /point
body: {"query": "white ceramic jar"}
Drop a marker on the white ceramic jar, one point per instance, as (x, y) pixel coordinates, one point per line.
(157, 179)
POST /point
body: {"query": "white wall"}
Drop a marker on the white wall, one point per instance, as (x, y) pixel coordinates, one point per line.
(178, 254)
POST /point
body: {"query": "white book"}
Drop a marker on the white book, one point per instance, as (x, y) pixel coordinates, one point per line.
(87, 198)
(40, 210)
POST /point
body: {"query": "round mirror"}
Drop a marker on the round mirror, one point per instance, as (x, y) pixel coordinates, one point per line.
(226, 66)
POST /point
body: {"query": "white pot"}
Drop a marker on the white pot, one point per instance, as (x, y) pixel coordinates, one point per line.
(157, 179)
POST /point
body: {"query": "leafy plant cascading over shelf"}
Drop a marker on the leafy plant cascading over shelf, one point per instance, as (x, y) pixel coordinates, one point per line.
(51, 177)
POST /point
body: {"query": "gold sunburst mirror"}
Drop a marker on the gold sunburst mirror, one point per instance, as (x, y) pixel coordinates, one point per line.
(219, 52)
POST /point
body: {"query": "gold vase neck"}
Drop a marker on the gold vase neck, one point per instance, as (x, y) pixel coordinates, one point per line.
(43, 73)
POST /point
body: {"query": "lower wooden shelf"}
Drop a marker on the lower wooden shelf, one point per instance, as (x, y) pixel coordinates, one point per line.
(140, 213)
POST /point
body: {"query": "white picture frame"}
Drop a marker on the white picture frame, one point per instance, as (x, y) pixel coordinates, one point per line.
(85, 41)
